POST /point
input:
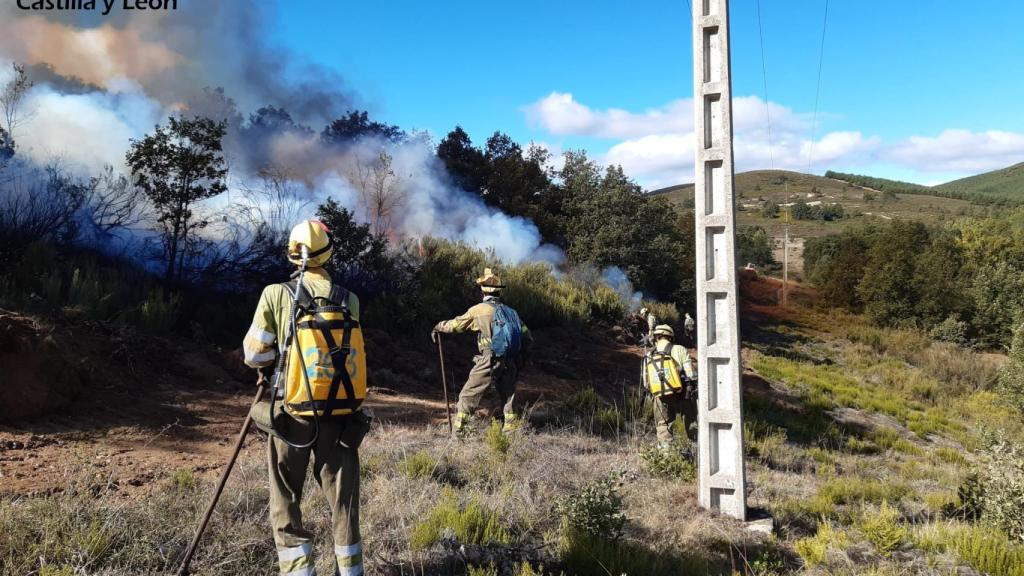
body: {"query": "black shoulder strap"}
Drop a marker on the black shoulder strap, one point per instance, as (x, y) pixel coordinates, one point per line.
(338, 295)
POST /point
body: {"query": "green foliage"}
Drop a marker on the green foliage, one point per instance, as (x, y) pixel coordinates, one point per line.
(159, 312)
(673, 462)
(983, 548)
(952, 330)
(497, 441)
(594, 509)
(883, 528)
(1000, 187)
(812, 550)
(420, 464)
(176, 166)
(473, 523)
(754, 246)
(1011, 377)
(609, 420)
(801, 210)
(997, 293)
(585, 401)
(184, 479)
(583, 554)
(887, 287)
(770, 209)
(1002, 494)
(975, 189)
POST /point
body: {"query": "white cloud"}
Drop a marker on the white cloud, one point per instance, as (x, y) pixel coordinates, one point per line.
(958, 151)
(560, 114)
(656, 146)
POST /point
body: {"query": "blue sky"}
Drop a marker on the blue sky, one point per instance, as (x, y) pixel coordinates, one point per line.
(892, 72)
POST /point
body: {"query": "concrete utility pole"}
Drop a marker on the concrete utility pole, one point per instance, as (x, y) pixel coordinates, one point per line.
(721, 483)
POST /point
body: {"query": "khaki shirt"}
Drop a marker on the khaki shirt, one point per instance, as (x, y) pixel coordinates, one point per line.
(272, 318)
(478, 319)
(680, 355)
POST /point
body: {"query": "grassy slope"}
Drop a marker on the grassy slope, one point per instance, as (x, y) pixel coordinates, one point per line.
(840, 417)
(756, 187)
(1004, 183)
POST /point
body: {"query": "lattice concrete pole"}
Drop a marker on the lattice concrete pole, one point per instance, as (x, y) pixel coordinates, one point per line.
(722, 472)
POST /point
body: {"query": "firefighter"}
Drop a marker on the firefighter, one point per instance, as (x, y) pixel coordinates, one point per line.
(335, 437)
(671, 380)
(502, 343)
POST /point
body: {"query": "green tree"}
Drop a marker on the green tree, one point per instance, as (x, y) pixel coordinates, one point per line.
(770, 209)
(940, 289)
(754, 246)
(356, 125)
(176, 166)
(888, 289)
(466, 164)
(835, 264)
(801, 210)
(360, 260)
(1011, 377)
(997, 295)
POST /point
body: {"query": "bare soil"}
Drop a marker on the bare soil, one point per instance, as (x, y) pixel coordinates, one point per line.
(138, 408)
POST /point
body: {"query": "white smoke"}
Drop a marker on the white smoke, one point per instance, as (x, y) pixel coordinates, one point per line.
(615, 278)
(85, 131)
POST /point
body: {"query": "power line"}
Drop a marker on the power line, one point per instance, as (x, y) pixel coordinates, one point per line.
(817, 93)
(764, 76)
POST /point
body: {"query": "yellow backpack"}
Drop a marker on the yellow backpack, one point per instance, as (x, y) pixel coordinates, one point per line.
(661, 373)
(330, 342)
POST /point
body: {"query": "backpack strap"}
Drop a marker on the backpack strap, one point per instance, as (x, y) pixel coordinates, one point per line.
(338, 353)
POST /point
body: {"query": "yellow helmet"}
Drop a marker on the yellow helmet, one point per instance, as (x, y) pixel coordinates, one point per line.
(664, 330)
(489, 282)
(314, 235)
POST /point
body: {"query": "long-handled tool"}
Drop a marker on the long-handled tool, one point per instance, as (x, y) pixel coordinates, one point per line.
(444, 383)
(183, 571)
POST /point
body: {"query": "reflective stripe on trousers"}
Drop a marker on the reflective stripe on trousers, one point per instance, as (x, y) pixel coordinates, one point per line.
(350, 559)
(296, 560)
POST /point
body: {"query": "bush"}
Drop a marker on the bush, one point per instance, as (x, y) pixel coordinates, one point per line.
(418, 465)
(497, 441)
(585, 401)
(586, 555)
(674, 462)
(1003, 489)
(609, 420)
(952, 330)
(473, 524)
(883, 528)
(159, 312)
(1011, 377)
(983, 548)
(594, 509)
(813, 549)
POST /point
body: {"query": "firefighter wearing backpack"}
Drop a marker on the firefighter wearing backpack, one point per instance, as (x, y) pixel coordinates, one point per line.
(671, 380)
(323, 354)
(502, 341)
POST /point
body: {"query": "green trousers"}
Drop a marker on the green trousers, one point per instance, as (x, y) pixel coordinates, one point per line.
(336, 470)
(489, 371)
(665, 410)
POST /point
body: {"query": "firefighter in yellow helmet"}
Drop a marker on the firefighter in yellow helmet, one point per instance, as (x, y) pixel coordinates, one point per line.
(338, 428)
(503, 342)
(671, 379)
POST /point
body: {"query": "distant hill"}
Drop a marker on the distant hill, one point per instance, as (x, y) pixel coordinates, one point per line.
(1004, 183)
(1004, 187)
(884, 201)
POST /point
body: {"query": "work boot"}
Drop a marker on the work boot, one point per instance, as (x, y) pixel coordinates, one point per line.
(512, 423)
(460, 426)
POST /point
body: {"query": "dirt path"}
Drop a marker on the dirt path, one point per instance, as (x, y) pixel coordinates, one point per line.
(139, 419)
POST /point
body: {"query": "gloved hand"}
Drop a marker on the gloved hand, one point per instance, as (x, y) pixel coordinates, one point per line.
(433, 335)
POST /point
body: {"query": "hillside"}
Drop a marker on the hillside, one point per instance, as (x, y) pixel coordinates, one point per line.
(857, 440)
(1004, 183)
(860, 204)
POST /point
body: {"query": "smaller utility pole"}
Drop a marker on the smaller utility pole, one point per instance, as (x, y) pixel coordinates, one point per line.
(785, 269)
